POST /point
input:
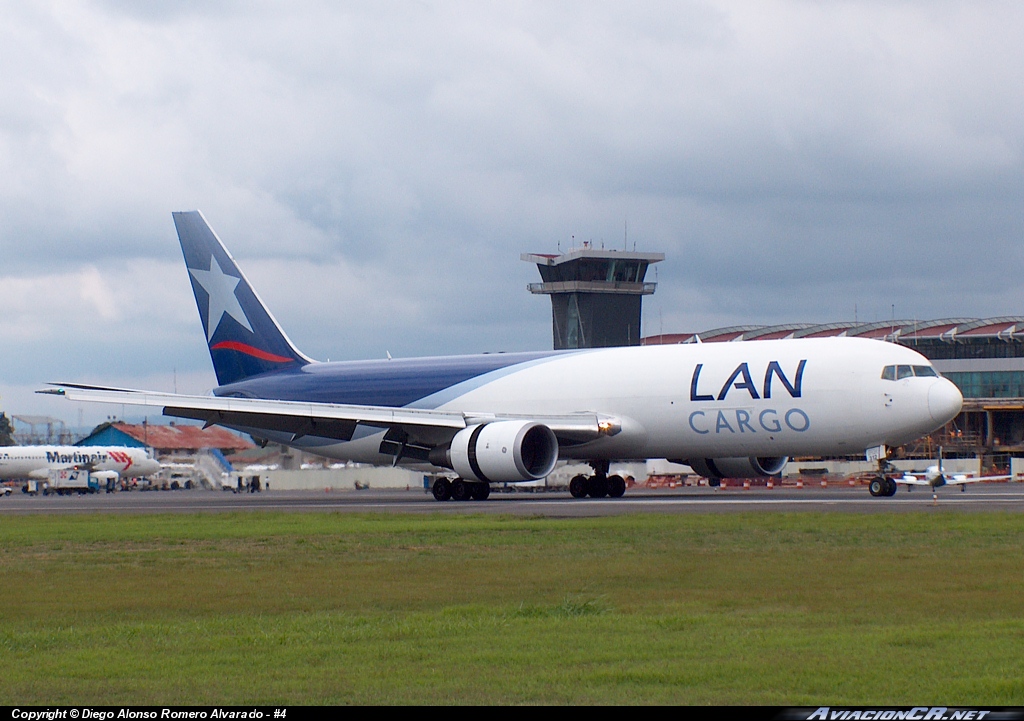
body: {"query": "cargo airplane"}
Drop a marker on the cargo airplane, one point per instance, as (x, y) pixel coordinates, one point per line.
(106, 462)
(726, 409)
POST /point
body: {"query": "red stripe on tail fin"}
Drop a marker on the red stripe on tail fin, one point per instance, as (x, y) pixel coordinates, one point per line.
(249, 350)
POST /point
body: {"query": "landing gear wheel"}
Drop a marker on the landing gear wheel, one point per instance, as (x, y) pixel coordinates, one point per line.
(442, 489)
(460, 490)
(714, 482)
(616, 486)
(877, 487)
(597, 487)
(480, 491)
(578, 486)
(891, 490)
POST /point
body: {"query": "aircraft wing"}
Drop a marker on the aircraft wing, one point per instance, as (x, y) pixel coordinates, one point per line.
(950, 480)
(912, 480)
(326, 420)
(960, 478)
(44, 473)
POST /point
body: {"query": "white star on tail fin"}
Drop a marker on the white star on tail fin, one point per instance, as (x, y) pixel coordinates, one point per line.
(221, 288)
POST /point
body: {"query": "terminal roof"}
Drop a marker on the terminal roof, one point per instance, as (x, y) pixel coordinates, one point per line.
(943, 329)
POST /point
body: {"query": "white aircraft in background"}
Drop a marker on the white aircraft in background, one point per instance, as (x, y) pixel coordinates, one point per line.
(104, 462)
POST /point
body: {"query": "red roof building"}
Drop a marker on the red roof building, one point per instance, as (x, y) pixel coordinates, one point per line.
(167, 439)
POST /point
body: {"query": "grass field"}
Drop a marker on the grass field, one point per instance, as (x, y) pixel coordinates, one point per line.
(799, 609)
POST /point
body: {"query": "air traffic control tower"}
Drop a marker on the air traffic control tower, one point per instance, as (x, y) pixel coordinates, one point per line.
(595, 294)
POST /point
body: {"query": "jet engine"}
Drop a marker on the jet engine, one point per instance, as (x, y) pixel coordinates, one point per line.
(504, 451)
(744, 467)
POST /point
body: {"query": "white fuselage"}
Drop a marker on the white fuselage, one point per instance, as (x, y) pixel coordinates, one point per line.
(18, 462)
(788, 397)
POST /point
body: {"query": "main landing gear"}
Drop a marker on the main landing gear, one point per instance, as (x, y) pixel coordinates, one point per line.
(460, 490)
(598, 485)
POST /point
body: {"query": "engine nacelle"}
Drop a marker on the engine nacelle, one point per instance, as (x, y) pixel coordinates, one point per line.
(744, 467)
(504, 451)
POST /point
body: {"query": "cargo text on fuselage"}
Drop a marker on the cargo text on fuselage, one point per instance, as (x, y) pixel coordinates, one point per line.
(740, 420)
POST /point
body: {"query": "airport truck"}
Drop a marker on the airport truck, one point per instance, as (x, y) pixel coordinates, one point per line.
(66, 482)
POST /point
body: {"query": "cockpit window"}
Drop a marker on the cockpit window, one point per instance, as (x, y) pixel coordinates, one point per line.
(892, 373)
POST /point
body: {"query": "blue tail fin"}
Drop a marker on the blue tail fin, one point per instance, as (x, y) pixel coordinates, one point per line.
(243, 337)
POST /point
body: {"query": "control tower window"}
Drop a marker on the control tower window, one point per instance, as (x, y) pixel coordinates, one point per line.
(591, 270)
(623, 271)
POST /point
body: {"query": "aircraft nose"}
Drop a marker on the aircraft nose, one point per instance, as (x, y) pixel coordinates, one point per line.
(944, 401)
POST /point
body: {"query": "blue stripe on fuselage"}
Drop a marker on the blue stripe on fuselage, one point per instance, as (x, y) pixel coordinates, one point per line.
(445, 395)
(422, 382)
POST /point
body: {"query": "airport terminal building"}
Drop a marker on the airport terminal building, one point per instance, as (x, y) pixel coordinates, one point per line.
(984, 357)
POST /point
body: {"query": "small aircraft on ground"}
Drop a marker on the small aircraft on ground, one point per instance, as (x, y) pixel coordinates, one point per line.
(934, 477)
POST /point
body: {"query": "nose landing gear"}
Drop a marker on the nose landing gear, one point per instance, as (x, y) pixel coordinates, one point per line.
(882, 486)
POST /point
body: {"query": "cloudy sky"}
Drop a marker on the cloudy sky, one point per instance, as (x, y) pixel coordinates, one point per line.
(377, 168)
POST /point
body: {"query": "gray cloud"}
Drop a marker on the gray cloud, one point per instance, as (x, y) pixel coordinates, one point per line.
(377, 168)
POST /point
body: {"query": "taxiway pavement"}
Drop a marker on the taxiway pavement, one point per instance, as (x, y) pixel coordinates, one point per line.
(979, 498)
